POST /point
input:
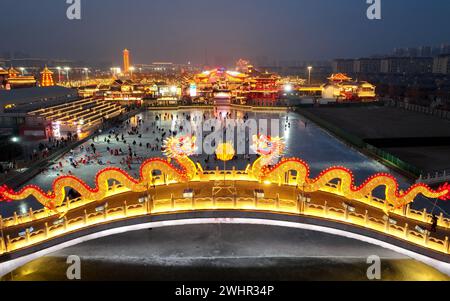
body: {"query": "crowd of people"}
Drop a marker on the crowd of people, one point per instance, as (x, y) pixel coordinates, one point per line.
(53, 144)
(130, 143)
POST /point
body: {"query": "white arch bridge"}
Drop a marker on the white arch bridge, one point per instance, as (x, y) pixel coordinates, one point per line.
(39, 233)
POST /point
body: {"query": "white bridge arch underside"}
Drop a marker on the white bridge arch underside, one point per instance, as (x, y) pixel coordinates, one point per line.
(11, 265)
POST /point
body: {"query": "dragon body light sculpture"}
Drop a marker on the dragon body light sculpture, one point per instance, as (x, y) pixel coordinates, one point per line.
(264, 169)
(177, 148)
(270, 149)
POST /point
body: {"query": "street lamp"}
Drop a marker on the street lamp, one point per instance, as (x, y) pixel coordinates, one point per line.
(22, 69)
(86, 72)
(67, 69)
(131, 71)
(59, 74)
(309, 74)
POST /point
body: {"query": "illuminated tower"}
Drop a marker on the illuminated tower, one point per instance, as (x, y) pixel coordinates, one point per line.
(126, 61)
(47, 78)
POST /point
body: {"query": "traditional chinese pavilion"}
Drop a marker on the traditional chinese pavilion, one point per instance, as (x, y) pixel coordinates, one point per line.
(264, 89)
(47, 78)
(247, 86)
(344, 88)
(14, 80)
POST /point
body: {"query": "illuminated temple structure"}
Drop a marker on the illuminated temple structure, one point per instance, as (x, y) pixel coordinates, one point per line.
(245, 86)
(12, 79)
(47, 78)
(344, 88)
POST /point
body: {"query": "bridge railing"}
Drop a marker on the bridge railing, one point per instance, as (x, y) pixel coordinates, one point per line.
(174, 205)
(334, 188)
(437, 177)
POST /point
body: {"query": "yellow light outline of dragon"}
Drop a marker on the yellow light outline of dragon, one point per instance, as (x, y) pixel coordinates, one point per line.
(270, 149)
(176, 148)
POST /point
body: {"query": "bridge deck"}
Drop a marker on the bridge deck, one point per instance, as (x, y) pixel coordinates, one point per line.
(278, 199)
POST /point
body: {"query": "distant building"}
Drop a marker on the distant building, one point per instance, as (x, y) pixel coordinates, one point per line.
(15, 80)
(346, 66)
(445, 49)
(425, 51)
(126, 61)
(3, 78)
(16, 104)
(42, 112)
(441, 64)
(343, 88)
(407, 65)
(367, 65)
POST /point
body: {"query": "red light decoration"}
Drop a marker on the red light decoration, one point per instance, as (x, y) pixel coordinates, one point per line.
(394, 197)
(182, 147)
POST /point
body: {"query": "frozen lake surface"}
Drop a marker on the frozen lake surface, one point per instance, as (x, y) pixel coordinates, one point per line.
(303, 139)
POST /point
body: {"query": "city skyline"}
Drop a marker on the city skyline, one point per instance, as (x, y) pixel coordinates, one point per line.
(215, 32)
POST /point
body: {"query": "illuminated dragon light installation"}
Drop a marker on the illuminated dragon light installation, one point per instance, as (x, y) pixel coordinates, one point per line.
(270, 149)
(177, 148)
(264, 169)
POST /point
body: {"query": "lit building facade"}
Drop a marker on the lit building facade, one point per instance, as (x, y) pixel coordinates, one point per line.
(13, 79)
(47, 78)
(248, 86)
(344, 88)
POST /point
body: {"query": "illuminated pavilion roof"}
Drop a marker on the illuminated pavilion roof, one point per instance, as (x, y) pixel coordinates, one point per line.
(215, 74)
(46, 71)
(339, 77)
(13, 72)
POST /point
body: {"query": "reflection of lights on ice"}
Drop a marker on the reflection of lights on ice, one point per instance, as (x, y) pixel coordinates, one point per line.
(23, 208)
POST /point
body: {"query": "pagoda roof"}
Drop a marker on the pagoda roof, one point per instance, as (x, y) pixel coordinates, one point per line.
(11, 70)
(46, 71)
(339, 77)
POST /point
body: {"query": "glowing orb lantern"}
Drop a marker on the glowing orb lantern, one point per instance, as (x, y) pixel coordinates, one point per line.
(225, 152)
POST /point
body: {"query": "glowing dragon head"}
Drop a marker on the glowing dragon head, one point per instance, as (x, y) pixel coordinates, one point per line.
(270, 148)
(445, 187)
(175, 147)
(4, 191)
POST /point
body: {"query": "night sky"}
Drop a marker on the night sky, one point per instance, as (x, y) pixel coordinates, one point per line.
(184, 30)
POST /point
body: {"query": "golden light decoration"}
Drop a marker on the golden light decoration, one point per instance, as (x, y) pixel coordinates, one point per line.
(175, 147)
(186, 170)
(225, 152)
